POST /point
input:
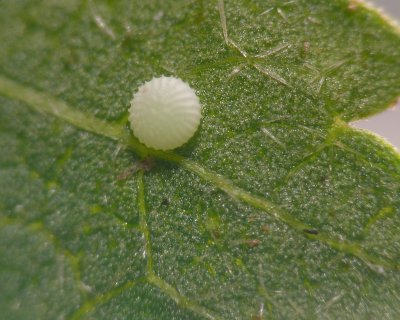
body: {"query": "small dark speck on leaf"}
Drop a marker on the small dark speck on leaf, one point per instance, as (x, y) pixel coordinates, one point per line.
(265, 228)
(311, 231)
(353, 5)
(306, 49)
(323, 178)
(306, 46)
(131, 170)
(145, 165)
(253, 243)
(215, 234)
(165, 202)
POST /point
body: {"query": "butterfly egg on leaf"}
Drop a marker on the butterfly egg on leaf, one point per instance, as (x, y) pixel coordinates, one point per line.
(165, 113)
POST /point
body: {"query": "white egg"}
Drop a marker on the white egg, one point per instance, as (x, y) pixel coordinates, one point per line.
(165, 113)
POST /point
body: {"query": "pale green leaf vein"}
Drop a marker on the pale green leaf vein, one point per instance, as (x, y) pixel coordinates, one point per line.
(101, 299)
(38, 227)
(90, 305)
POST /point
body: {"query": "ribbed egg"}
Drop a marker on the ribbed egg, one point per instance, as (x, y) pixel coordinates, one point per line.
(165, 113)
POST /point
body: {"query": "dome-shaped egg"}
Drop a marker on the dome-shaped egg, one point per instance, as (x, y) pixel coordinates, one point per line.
(165, 113)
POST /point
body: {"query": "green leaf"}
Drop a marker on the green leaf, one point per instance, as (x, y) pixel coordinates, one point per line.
(276, 209)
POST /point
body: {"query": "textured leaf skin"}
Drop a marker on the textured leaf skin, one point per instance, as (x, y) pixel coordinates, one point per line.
(276, 209)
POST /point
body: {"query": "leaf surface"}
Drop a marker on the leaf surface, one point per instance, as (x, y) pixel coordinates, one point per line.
(276, 209)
